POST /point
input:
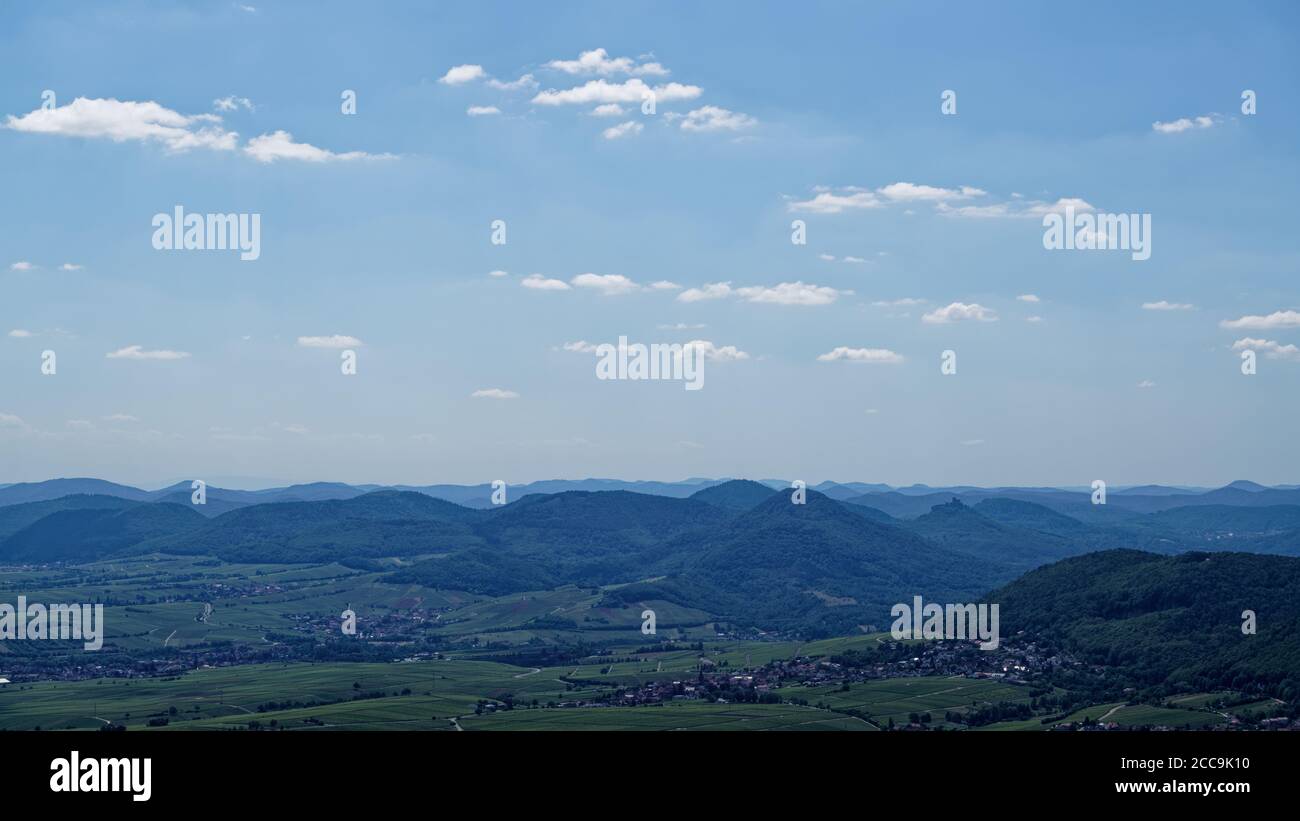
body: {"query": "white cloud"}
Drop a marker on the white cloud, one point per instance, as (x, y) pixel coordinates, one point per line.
(1033, 319)
(1028, 298)
(1146, 383)
(869, 355)
(855, 260)
(664, 285)
(826, 257)
(21, 265)
(607, 284)
(8, 420)
(1277, 319)
(482, 110)
(540, 283)
(1164, 305)
(911, 192)
(1271, 349)
(335, 341)
(498, 274)
(958, 312)
(69, 266)
(791, 293)
(608, 110)
(281, 146)
(581, 346)
(827, 202)
(713, 353)
(494, 393)
(295, 428)
(623, 129)
(598, 61)
(139, 353)
(121, 121)
(526, 81)
(714, 290)
(681, 326)
(79, 424)
(1185, 124)
(457, 75)
(712, 118)
(19, 333)
(785, 293)
(905, 302)
(599, 92)
(120, 417)
(1017, 209)
(233, 103)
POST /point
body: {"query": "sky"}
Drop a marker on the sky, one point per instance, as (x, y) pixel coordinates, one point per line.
(922, 213)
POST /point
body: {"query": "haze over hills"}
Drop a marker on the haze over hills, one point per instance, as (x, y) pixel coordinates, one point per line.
(738, 549)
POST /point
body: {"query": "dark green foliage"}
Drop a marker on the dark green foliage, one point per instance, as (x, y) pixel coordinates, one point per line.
(1168, 621)
(94, 532)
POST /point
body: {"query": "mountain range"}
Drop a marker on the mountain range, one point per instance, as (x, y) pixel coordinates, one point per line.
(739, 550)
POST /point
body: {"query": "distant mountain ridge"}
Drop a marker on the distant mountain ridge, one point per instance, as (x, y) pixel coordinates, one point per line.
(739, 549)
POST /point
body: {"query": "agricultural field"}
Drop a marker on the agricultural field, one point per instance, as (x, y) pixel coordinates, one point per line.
(898, 698)
(670, 717)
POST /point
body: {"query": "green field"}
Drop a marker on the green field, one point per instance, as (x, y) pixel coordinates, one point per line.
(670, 717)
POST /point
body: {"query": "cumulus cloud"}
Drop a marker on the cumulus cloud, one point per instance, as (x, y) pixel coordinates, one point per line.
(526, 81)
(69, 266)
(233, 103)
(280, 145)
(1028, 298)
(608, 110)
(1277, 319)
(1271, 349)
(607, 284)
(1146, 383)
(623, 129)
(139, 353)
(712, 118)
(334, 341)
(867, 355)
(1164, 305)
(498, 274)
(540, 283)
(959, 312)
(713, 290)
(19, 333)
(482, 110)
(494, 393)
(911, 192)
(829, 202)
(598, 62)
(600, 92)
(1185, 124)
(715, 353)
(21, 265)
(458, 75)
(791, 293)
(121, 121)
(784, 293)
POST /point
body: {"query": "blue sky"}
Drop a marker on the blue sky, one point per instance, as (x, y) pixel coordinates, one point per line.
(375, 226)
